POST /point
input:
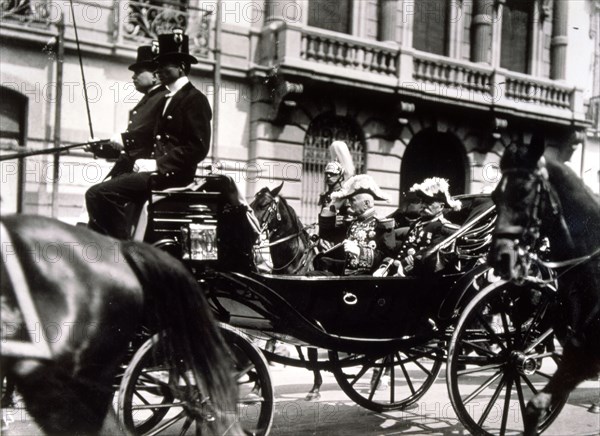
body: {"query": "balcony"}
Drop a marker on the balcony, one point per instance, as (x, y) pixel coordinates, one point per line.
(329, 56)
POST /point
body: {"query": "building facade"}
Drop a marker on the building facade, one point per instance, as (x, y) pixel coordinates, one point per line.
(415, 88)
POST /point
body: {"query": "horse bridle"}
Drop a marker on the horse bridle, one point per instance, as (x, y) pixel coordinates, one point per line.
(530, 233)
(272, 212)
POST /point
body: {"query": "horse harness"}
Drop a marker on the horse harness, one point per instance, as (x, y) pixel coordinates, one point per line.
(273, 212)
(531, 232)
(35, 349)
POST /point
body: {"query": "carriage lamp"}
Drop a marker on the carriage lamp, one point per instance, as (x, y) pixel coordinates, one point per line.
(199, 241)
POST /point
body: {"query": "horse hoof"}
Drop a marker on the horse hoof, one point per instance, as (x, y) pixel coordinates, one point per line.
(312, 396)
(594, 408)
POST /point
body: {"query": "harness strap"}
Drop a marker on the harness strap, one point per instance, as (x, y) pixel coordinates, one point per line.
(571, 262)
(38, 349)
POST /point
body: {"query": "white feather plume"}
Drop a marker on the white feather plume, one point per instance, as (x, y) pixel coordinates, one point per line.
(339, 152)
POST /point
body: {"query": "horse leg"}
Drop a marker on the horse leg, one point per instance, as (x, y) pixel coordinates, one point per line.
(314, 394)
(58, 402)
(575, 367)
(8, 391)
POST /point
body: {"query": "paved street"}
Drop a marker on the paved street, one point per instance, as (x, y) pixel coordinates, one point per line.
(336, 415)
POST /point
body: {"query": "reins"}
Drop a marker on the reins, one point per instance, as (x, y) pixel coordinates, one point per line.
(272, 212)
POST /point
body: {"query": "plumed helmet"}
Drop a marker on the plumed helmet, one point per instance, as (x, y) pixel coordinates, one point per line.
(341, 162)
(359, 184)
(436, 188)
(334, 167)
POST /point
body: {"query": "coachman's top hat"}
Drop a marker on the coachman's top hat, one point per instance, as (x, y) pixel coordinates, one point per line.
(145, 57)
(174, 47)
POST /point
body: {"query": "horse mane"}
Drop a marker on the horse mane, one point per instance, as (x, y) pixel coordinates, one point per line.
(294, 216)
(580, 206)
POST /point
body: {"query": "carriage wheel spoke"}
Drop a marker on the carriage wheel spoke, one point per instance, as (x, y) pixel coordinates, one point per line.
(186, 425)
(520, 395)
(481, 388)
(375, 383)
(543, 374)
(392, 383)
(506, 327)
(491, 331)
(488, 408)
(150, 379)
(506, 406)
(479, 369)
(167, 424)
(407, 376)
(528, 382)
(358, 376)
(416, 362)
(244, 371)
(539, 340)
(535, 321)
(481, 348)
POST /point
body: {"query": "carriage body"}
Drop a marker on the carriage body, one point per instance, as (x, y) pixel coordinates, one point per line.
(205, 226)
(369, 326)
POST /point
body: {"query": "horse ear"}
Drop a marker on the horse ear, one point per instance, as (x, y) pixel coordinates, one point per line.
(275, 192)
(536, 146)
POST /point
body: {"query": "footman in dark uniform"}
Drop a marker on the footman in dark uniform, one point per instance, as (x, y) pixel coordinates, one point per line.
(180, 140)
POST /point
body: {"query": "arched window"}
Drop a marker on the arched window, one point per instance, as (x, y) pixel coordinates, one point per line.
(322, 131)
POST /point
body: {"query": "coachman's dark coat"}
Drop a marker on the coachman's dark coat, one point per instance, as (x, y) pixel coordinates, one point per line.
(182, 134)
(138, 138)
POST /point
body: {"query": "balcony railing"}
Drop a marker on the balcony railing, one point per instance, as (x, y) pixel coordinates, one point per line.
(347, 52)
(397, 68)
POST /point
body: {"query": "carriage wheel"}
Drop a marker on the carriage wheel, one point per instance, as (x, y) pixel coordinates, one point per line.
(391, 382)
(502, 352)
(149, 405)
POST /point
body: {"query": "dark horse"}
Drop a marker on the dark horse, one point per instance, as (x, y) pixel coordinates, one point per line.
(541, 197)
(73, 300)
(291, 249)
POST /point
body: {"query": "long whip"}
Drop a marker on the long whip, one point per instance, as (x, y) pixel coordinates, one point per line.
(85, 94)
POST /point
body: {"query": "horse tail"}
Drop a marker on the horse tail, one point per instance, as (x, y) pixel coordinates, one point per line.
(174, 301)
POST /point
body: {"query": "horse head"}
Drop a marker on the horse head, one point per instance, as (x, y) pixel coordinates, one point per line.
(266, 206)
(522, 199)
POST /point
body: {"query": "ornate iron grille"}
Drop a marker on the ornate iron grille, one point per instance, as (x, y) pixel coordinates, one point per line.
(146, 19)
(25, 11)
(322, 131)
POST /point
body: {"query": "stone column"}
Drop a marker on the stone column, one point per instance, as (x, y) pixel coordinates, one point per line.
(558, 54)
(282, 10)
(481, 40)
(387, 20)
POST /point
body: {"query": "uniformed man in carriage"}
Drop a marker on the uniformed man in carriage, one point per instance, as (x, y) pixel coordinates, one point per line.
(332, 228)
(428, 230)
(362, 250)
(180, 139)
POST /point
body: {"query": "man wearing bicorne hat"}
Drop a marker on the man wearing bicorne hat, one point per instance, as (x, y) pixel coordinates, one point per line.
(428, 230)
(180, 138)
(361, 250)
(135, 142)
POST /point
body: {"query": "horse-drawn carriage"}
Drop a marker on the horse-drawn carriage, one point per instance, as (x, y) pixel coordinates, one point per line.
(494, 335)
